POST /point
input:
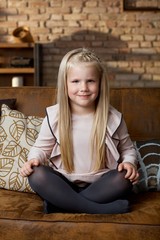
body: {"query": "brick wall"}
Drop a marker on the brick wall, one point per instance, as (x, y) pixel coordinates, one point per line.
(128, 41)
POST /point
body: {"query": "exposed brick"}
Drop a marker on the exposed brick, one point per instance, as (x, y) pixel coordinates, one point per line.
(56, 30)
(94, 10)
(138, 70)
(117, 31)
(128, 24)
(147, 64)
(50, 24)
(150, 38)
(56, 17)
(147, 77)
(3, 4)
(55, 3)
(3, 31)
(151, 83)
(69, 31)
(126, 37)
(28, 11)
(88, 24)
(73, 23)
(138, 38)
(73, 3)
(144, 50)
(111, 24)
(47, 58)
(156, 44)
(9, 11)
(76, 10)
(158, 50)
(97, 44)
(30, 24)
(143, 30)
(127, 77)
(157, 64)
(112, 64)
(133, 44)
(58, 10)
(145, 16)
(145, 44)
(113, 10)
(128, 17)
(115, 44)
(38, 17)
(128, 42)
(91, 4)
(93, 17)
(39, 30)
(16, 3)
(17, 18)
(9, 24)
(75, 17)
(153, 70)
(135, 64)
(156, 77)
(39, 3)
(101, 24)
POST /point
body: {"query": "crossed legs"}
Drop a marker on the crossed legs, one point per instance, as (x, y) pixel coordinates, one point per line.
(103, 196)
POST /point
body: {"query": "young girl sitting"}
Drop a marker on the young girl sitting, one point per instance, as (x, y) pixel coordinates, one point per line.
(92, 161)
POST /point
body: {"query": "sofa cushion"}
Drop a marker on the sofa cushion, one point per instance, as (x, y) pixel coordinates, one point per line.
(145, 209)
(148, 153)
(17, 134)
(10, 102)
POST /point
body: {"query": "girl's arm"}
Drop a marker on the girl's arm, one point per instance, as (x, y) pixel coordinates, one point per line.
(41, 150)
(128, 156)
(132, 173)
(43, 145)
(27, 168)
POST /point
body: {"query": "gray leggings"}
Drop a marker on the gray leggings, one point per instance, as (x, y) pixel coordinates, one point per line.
(104, 196)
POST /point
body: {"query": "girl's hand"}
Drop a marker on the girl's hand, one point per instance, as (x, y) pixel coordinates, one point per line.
(27, 168)
(132, 173)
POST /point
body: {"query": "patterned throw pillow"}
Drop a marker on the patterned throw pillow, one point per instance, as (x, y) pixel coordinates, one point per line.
(148, 153)
(10, 102)
(17, 134)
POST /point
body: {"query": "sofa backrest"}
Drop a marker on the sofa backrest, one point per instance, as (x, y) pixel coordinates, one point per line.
(140, 106)
(141, 111)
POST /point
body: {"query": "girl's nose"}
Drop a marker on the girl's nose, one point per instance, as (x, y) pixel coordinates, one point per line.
(84, 86)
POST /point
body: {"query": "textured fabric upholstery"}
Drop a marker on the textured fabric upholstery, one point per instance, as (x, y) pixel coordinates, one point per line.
(24, 212)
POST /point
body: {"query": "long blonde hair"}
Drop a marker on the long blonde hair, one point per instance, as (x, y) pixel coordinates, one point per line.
(82, 55)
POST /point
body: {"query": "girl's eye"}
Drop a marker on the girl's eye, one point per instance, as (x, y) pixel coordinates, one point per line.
(91, 80)
(75, 81)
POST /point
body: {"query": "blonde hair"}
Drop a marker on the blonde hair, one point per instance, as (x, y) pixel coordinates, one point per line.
(73, 57)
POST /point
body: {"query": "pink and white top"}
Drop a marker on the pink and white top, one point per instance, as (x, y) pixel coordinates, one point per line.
(119, 146)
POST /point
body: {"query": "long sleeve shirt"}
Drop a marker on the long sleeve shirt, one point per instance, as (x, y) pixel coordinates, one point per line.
(119, 147)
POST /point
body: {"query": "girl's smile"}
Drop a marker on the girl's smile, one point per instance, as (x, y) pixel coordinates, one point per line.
(83, 87)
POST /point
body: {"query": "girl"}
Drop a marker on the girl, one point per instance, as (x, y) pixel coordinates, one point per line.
(92, 161)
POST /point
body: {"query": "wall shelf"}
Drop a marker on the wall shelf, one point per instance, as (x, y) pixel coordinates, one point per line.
(16, 45)
(30, 74)
(16, 70)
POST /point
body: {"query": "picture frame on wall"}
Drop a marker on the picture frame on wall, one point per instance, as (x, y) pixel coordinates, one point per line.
(139, 5)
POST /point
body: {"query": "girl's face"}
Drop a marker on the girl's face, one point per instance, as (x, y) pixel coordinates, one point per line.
(83, 80)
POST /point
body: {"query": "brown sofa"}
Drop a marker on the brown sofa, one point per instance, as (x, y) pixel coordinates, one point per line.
(21, 215)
